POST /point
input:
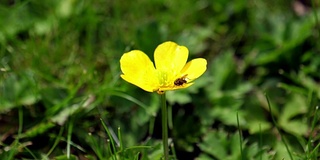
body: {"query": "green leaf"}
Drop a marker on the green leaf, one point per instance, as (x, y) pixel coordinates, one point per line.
(18, 89)
(296, 105)
(222, 68)
(284, 37)
(281, 151)
(215, 143)
(296, 127)
(194, 37)
(228, 115)
(258, 126)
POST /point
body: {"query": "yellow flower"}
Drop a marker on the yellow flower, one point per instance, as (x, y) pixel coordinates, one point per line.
(169, 73)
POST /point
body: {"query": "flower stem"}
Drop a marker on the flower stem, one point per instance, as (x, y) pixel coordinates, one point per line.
(164, 126)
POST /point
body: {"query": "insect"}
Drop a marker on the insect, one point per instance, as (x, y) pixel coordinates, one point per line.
(181, 81)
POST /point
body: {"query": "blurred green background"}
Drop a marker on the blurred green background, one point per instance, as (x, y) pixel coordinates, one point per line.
(60, 79)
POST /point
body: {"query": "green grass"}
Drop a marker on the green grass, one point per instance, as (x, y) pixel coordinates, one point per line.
(61, 95)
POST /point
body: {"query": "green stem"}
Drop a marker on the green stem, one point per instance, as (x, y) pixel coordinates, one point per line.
(278, 128)
(164, 126)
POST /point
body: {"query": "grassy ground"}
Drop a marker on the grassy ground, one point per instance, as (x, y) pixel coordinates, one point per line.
(61, 95)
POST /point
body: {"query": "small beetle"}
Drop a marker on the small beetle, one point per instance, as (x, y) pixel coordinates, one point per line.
(181, 81)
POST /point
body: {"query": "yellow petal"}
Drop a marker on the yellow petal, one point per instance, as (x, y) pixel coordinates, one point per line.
(176, 87)
(194, 69)
(170, 58)
(138, 69)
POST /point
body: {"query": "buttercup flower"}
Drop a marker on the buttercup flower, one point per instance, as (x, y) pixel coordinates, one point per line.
(170, 72)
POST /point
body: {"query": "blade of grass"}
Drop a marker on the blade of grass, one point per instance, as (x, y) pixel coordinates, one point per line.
(278, 128)
(134, 100)
(311, 113)
(120, 152)
(314, 122)
(110, 146)
(240, 136)
(120, 139)
(113, 134)
(111, 138)
(96, 147)
(260, 141)
(70, 127)
(74, 145)
(138, 147)
(314, 152)
(313, 3)
(136, 157)
(29, 151)
(16, 141)
(173, 151)
(105, 123)
(55, 142)
(151, 125)
(56, 108)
